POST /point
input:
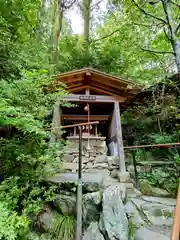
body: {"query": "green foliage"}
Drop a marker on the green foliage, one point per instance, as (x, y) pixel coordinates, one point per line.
(12, 226)
(167, 179)
(63, 227)
(27, 97)
(25, 153)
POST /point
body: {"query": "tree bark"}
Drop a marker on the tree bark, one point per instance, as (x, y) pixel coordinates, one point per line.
(54, 5)
(167, 6)
(86, 16)
(59, 28)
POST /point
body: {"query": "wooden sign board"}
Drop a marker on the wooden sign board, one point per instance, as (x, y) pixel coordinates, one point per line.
(87, 97)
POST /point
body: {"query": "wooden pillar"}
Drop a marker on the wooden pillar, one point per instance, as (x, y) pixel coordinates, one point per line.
(56, 123)
(119, 138)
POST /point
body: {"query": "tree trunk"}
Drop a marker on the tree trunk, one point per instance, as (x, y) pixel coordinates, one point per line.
(59, 28)
(86, 16)
(177, 54)
(167, 6)
(52, 36)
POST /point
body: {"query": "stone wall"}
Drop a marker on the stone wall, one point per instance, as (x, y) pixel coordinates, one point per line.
(94, 159)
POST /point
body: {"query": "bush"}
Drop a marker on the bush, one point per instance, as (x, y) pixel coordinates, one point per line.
(26, 156)
(166, 178)
(12, 225)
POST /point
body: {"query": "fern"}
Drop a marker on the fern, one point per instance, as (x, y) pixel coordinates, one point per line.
(63, 227)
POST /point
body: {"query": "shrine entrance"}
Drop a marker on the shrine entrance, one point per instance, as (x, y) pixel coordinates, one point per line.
(96, 96)
(84, 112)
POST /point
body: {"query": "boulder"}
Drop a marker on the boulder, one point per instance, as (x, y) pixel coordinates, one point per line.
(134, 214)
(66, 204)
(91, 206)
(146, 234)
(45, 219)
(123, 177)
(155, 213)
(93, 233)
(113, 223)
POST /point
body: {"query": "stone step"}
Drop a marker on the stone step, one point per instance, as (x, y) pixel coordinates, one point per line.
(73, 177)
(89, 178)
(146, 234)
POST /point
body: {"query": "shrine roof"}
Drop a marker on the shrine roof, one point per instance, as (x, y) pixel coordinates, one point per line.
(99, 83)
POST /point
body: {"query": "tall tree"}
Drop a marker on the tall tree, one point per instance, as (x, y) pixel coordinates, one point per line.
(86, 16)
(59, 7)
(167, 14)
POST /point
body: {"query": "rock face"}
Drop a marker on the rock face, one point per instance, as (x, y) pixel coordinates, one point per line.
(65, 204)
(93, 233)
(114, 223)
(155, 213)
(159, 214)
(45, 219)
(165, 201)
(91, 207)
(146, 234)
(134, 214)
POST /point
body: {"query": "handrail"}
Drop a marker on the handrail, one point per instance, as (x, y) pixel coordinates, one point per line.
(175, 235)
(154, 145)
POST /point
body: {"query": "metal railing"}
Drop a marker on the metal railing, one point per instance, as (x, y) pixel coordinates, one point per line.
(79, 186)
(175, 235)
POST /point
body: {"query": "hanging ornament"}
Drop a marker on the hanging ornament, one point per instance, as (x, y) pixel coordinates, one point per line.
(88, 144)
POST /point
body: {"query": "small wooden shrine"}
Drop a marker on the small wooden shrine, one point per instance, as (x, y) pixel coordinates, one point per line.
(97, 97)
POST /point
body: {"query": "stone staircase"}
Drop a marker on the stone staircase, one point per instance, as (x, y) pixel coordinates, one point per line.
(152, 217)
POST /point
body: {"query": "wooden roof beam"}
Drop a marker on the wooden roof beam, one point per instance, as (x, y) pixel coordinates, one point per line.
(73, 86)
(119, 98)
(69, 81)
(109, 89)
(76, 89)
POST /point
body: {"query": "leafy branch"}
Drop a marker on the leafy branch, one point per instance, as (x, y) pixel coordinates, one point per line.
(147, 13)
(176, 4)
(154, 51)
(99, 39)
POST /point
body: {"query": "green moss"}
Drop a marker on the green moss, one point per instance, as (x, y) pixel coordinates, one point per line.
(145, 188)
(168, 214)
(157, 212)
(132, 228)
